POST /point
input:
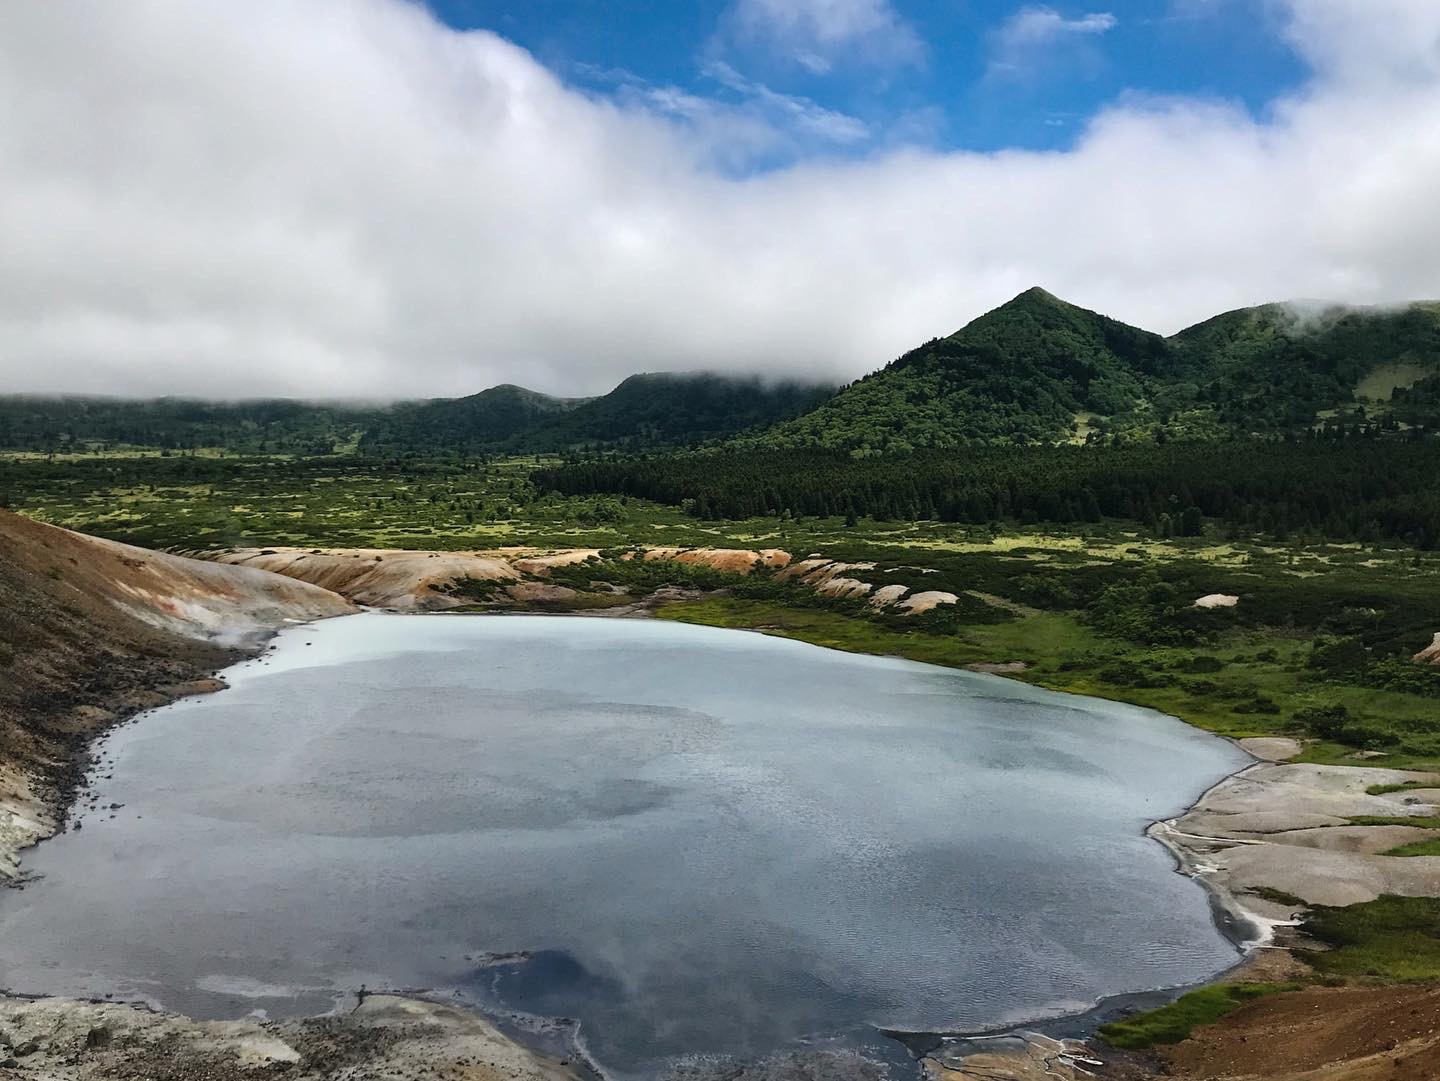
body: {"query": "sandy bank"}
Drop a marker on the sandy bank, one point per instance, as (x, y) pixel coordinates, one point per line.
(384, 1037)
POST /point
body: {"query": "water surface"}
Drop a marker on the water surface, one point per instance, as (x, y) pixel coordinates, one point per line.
(709, 841)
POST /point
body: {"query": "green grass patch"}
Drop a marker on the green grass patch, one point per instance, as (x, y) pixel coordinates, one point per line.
(1425, 822)
(1175, 1022)
(1390, 938)
(1405, 786)
(1416, 848)
(1279, 897)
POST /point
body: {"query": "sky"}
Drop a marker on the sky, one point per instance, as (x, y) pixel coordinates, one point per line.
(384, 198)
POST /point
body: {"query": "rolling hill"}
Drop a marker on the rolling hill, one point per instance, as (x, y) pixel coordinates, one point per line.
(644, 411)
(471, 424)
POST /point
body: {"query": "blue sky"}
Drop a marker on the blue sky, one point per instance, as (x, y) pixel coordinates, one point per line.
(946, 74)
(381, 198)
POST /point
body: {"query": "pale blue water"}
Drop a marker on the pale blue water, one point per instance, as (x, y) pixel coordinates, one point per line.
(716, 842)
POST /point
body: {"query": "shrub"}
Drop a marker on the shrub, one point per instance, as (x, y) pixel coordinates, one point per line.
(1337, 656)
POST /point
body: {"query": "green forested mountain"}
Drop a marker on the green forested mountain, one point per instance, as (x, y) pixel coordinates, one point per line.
(1279, 367)
(667, 409)
(1020, 373)
(263, 426)
(1039, 370)
(655, 410)
(466, 425)
(645, 411)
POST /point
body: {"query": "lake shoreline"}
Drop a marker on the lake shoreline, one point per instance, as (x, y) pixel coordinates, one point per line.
(1079, 1021)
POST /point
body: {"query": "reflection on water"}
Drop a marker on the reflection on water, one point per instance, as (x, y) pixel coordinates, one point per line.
(709, 841)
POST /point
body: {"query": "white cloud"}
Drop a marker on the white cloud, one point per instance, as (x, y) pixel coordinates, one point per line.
(752, 127)
(818, 34)
(350, 199)
(791, 111)
(1369, 40)
(1028, 37)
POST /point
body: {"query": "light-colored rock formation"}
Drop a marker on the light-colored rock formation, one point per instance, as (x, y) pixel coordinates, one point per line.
(888, 595)
(925, 602)
(734, 560)
(1287, 827)
(381, 578)
(195, 598)
(540, 565)
(1217, 600)
(843, 587)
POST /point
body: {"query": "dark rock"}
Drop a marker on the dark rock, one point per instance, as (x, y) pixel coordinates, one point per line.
(98, 1037)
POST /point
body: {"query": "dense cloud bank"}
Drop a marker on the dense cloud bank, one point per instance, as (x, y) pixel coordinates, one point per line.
(348, 198)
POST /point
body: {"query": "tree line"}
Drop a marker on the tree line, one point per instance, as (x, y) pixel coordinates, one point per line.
(1338, 489)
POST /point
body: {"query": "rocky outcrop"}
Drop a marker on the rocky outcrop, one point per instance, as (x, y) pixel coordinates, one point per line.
(925, 602)
(408, 581)
(734, 560)
(402, 581)
(1286, 827)
(1216, 600)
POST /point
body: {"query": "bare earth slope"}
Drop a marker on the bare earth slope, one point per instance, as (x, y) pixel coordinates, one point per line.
(90, 631)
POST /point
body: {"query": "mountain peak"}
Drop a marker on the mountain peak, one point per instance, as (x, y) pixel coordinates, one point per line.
(1036, 293)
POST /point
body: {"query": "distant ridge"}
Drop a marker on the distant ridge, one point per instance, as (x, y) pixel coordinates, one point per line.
(659, 409)
(1036, 369)
(473, 423)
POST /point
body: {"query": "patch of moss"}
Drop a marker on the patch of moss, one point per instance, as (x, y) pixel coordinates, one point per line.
(1427, 822)
(1173, 1023)
(1404, 786)
(1279, 897)
(1390, 938)
(1430, 847)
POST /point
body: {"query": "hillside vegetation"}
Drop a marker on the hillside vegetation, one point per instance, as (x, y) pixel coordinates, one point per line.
(1039, 370)
(645, 411)
(467, 425)
(659, 410)
(280, 426)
